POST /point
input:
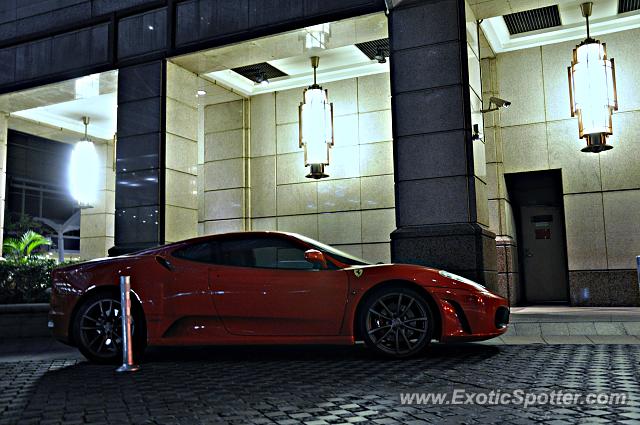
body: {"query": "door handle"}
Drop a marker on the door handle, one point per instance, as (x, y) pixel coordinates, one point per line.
(165, 263)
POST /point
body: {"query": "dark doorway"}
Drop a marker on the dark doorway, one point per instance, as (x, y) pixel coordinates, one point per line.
(537, 202)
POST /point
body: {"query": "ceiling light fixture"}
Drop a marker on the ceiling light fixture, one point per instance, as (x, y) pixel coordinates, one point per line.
(380, 55)
(84, 169)
(87, 87)
(592, 90)
(262, 79)
(201, 93)
(316, 126)
(317, 36)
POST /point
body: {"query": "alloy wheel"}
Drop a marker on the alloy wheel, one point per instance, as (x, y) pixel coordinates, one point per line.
(101, 328)
(397, 323)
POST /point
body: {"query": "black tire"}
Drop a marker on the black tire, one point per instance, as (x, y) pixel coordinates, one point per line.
(396, 321)
(97, 329)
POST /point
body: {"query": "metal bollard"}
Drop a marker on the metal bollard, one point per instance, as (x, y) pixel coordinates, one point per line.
(127, 347)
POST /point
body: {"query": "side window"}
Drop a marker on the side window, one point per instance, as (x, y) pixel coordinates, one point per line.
(203, 252)
(272, 253)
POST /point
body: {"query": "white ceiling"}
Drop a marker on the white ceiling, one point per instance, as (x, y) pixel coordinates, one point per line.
(339, 59)
(55, 111)
(102, 111)
(604, 20)
(335, 64)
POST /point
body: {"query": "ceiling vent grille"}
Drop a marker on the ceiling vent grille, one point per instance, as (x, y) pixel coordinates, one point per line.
(257, 71)
(371, 48)
(625, 6)
(533, 20)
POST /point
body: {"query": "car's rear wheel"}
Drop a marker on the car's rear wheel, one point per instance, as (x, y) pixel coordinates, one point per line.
(396, 321)
(97, 329)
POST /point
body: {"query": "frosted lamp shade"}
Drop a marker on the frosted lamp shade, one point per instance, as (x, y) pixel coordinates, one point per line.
(592, 89)
(316, 126)
(84, 169)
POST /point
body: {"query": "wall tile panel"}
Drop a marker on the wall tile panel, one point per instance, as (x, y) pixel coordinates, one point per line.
(142, 33)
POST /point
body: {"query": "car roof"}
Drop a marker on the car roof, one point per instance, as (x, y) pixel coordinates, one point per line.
(243, 233)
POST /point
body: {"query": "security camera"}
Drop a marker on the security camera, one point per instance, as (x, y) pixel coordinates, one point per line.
(499, 103)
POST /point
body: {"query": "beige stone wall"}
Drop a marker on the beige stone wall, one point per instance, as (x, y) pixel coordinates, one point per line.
(3, 171)
(225, 166)
(601, 191)
(181, 173)
(97, 223)
(352, 209)
(254, 174)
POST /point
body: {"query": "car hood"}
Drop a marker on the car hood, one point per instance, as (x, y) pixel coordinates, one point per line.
(422, 275)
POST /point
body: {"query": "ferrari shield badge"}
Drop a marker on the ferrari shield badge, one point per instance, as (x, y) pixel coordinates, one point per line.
(358, 272)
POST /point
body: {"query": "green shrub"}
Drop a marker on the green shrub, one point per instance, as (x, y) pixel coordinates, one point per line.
(26, 282)
(22, 248)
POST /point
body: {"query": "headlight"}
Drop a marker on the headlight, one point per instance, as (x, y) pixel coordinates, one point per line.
(463, 280)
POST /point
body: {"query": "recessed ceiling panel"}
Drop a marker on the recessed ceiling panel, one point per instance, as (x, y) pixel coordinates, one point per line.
(257, 71)
(625, 6)
(533, 20)
(371, 48)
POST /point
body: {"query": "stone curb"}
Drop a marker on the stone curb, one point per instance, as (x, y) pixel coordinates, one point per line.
(24, 308)
(24, 320)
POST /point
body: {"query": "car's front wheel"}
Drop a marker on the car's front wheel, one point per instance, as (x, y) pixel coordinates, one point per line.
(396, 321)
(97, 329)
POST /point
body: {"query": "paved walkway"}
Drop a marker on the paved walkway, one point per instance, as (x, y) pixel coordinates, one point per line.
(572, 325)
(325, 385)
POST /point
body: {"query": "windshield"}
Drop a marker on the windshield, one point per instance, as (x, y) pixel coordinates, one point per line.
(341, 256)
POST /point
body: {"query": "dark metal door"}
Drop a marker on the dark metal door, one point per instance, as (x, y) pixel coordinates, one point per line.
(543, 254)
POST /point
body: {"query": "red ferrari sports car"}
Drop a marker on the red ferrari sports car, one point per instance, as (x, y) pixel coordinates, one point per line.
(267, 288)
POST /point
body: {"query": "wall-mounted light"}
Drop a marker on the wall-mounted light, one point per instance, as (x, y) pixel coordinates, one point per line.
(476, 133)
(84, 171)
(592, 90)
(316, 126)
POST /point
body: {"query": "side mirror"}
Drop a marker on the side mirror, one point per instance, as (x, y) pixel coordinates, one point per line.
(316, 258)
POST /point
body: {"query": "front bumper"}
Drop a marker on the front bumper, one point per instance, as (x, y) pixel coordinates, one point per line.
(471, 316)
(60, 311)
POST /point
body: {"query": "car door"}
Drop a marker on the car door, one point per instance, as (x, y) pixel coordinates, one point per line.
(187, 309)
(263, 286)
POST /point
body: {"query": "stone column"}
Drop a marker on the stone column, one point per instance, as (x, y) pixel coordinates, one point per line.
(441, 203)
(140, 214)
(181, 152)
(97, 223)
(4, 119)
(501, 212)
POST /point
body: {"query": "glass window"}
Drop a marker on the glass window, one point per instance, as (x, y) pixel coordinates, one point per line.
(272, 253)
(203, 252)
(341, 256)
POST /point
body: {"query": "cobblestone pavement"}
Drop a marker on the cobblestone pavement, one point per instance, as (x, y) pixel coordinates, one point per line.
(319, 385)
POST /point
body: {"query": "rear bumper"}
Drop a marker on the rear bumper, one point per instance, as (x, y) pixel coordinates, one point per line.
(471, 316)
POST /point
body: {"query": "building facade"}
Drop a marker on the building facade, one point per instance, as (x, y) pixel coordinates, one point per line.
(197, 152)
